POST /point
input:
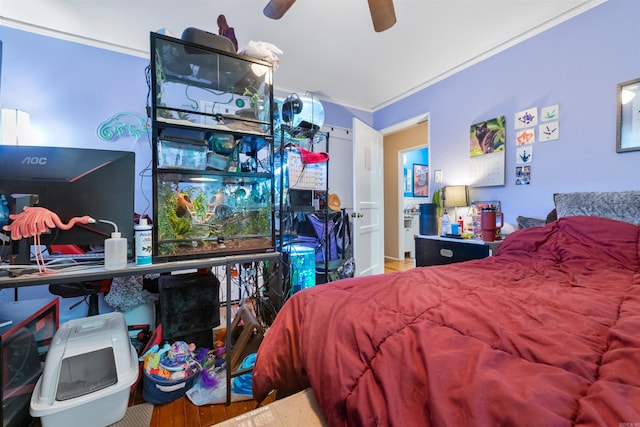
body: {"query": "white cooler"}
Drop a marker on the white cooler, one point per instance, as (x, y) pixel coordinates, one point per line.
(87, 374)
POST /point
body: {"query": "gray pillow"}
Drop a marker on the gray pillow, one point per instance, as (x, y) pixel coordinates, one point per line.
(527, 222)
(618, 205)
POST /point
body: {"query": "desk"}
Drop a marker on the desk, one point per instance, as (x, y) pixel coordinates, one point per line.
(97, 272)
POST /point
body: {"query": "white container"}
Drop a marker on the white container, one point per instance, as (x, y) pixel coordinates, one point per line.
(89, 370)
(115, 252)
(144, 242)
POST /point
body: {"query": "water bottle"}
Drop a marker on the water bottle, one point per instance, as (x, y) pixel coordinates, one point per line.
(446, 223)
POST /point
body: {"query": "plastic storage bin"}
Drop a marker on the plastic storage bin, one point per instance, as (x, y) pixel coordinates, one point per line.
(88, 373)
(178, 155)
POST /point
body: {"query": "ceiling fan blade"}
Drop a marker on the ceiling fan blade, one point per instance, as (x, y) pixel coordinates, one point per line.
(383, 14)
(276, 9)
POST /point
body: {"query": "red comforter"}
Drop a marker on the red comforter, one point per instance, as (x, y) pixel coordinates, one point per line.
(545, 333)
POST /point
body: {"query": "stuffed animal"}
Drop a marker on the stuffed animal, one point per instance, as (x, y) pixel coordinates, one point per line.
(262, 50)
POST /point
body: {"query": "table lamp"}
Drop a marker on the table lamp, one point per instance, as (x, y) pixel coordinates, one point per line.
(454, 196)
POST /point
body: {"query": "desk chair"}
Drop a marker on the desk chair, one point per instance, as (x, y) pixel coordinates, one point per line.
(89, 289)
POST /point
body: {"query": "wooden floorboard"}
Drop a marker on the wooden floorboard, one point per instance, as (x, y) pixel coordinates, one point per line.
(183, 413)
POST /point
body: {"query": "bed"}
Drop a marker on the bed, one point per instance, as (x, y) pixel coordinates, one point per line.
(544, 333)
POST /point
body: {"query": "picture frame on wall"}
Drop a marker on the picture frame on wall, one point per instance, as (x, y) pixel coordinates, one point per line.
(420, 180)
(628, 116)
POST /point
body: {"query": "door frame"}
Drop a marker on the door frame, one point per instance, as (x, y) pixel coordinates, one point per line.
(390, 205)
(401, 231)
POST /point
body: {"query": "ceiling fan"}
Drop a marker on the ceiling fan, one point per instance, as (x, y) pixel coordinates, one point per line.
(382, 12)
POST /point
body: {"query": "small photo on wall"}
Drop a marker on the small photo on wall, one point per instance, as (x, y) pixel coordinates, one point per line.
(526, 136)
(552, 112)
(526, 118)
(523, 175)
(524, 155)
(549, 131)
(487, 137)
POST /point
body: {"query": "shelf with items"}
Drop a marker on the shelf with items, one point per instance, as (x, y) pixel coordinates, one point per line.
(213, 151)
(308, 228)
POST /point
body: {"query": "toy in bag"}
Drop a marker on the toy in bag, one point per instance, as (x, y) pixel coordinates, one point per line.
(169, 371)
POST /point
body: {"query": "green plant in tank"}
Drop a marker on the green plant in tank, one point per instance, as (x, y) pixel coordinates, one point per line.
(171, 225)
(200, 207)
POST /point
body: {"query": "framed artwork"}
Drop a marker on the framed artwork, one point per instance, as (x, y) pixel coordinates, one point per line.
(628, 118)
(420, 180)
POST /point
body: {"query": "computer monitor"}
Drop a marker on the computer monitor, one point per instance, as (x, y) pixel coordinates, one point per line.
(72, 182)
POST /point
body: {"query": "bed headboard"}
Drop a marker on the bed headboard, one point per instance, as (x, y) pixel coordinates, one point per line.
(618, 205)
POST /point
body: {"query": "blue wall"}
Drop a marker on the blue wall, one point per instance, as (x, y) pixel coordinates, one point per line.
(576, 64)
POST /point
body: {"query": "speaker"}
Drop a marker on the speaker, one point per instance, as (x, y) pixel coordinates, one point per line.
(292, 105)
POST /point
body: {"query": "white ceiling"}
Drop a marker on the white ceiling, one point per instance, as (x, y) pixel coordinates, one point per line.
(330, 47)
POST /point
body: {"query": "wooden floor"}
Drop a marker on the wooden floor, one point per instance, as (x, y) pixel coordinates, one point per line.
(182, 413)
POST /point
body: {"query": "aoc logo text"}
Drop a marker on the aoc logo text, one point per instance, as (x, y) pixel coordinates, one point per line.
(34, 161)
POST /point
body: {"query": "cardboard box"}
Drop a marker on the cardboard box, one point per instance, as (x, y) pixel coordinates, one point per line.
(300, 409)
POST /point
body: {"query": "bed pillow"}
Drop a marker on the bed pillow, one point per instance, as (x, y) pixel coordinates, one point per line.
(619, 205)
(527, 222)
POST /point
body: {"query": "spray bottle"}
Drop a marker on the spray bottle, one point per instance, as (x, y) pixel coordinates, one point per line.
(144, 242)
(115, 249)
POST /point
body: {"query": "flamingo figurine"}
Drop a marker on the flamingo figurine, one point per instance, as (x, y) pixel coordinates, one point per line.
(34, 221)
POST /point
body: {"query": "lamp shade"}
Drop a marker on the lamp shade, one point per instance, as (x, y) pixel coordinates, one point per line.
(455, 195)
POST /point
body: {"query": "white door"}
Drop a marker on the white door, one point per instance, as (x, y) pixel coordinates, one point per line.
(368, 200)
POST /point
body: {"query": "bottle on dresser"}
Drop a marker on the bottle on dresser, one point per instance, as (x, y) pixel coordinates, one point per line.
(446, 223)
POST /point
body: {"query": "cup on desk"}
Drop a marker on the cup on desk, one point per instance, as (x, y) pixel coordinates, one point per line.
(488, 219)
(455, 229)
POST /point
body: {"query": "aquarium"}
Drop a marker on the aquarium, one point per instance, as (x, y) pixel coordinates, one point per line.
(213, 151)
(212, 215)
(199, 87)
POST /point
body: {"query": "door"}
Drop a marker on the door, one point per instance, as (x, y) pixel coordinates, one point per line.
(368, 200)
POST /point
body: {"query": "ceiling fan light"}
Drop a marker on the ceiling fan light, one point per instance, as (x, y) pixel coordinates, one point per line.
(276, 9)
(383, 14)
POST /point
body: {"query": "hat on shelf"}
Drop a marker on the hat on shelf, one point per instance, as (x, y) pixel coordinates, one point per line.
(313, 157)
(333, 202)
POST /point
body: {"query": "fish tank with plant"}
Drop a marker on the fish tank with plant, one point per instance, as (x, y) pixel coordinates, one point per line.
(212, 215)
(212, 121)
